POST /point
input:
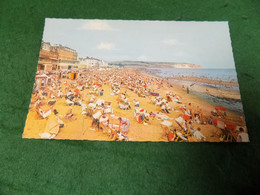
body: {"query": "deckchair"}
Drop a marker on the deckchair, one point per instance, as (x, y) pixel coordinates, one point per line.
(220, 127)
(110, 131)
(89, 111)
(44, 114)
(180, 137)
(166, 125)
(141, 95)
(106, 130)
(183, 132)
(38, 114)
(221, 111)
(176, 136)
(231, 136)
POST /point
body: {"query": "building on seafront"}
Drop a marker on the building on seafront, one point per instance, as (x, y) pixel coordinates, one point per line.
(48, 57)
(58, 57)
(67, 58)
(90, 62)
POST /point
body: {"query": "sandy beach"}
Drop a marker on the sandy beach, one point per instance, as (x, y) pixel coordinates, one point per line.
(131, 86)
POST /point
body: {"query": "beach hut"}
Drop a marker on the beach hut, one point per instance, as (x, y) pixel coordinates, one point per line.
(73, 75)
(41, 81)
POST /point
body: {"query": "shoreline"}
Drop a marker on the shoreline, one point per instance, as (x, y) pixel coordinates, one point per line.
(210, 90)
(218, 93)
(214, 93)
(206, 80)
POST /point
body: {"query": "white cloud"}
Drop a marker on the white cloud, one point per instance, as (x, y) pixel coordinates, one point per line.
(106, 46)
(97, 25)
(142, 58)
(170, 41)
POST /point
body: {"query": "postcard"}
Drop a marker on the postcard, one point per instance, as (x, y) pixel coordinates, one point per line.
(130, 80)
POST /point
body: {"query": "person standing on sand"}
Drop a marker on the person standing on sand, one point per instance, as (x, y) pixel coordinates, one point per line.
(242, 136)
(188, 90)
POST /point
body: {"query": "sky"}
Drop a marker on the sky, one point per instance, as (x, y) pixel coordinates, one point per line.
(203, 43)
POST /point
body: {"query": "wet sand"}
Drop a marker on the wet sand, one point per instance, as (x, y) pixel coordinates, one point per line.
(214, 91)
(206, 80)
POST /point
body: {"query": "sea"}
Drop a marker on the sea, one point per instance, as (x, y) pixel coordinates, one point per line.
(212, 74)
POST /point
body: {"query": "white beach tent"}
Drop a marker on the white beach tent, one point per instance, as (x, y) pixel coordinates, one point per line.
(41, 81)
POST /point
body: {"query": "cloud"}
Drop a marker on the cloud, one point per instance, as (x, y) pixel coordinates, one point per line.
(106, 46)
(98, 25)
(170, 41)
(142, 58)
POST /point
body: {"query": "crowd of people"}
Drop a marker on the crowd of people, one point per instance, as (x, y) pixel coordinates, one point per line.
(87, 90)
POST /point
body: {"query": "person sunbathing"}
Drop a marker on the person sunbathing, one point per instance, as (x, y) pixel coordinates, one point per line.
(124, 106)
(70, 95)
(95, 119)
(59, 94)
(164, 109)
(61, 123)
(104, 120)
(191, 128)
(136, 103)
(52, 127)
(76, 92)
(199, 136)
(210, 120)
(197, 118)
(69, 102)
(145, 118)
(77, 101)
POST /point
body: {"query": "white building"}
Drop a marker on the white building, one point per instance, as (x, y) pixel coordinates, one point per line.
(91, 62)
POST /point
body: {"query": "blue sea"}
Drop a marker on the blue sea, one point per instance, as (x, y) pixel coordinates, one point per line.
(214, 74)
